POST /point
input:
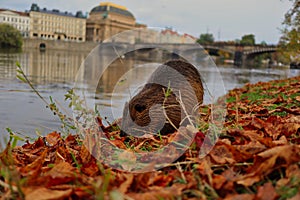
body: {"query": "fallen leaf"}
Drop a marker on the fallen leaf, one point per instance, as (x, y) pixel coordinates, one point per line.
(158, 193)
(265, 162)
(126, 184)
(240, 196)
(52, 139)
(266, 192)
(46, 194)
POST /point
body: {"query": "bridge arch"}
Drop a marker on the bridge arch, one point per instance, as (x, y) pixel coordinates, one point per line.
(214, 50)
(248, 56)
(255, 52)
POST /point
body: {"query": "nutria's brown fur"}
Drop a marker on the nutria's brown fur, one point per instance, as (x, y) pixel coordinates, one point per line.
(144, 112)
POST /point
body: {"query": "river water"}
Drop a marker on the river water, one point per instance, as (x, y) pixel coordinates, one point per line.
(53, 74)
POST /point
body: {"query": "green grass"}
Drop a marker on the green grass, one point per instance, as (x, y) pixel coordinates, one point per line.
(290, 190)
(294, 95)
(231, 100)
(255, 96)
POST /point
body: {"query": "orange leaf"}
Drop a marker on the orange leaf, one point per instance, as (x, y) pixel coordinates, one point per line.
(266, 192)
(126, 184)
(61, 173)
(160, 192)
(34, 168)
(61, 170)
(53, 138)
(265, 162)
(44, 194)
(239, 197)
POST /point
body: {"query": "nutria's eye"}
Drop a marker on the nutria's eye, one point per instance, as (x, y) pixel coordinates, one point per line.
(139, 108)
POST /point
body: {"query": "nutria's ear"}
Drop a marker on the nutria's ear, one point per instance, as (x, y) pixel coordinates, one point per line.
(139, 107)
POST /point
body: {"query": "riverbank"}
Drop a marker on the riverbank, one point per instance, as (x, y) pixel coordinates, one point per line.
(257, 156)
(43, 45)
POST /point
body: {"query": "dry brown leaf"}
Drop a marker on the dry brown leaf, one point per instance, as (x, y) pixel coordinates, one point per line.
(265, 162)
(34, 168)
(266, 192)
(221, 154)
(240, 196)
(46, 194)
(252, 147)
(293, 171)
(126, 184)
(224, 153)
(61, 170)
(52, 138)
(289, 129)
(160, 192)
(282, 141)
(296, 197)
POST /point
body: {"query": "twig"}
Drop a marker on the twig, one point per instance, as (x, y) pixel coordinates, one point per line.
(20, 70)
(165, 113)
(181, 172)
(64, 109)
(184, 109)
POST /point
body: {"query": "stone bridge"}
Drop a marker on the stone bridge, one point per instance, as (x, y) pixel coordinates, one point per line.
(240, 54)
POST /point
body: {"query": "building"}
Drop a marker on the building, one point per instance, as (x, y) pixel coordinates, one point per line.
(19, 20)
(170, 36)
(56, 25)
(108, 19)
(187, 38)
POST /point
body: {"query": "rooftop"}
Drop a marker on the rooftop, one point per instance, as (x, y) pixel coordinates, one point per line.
(36, 8)
(17, 12)
(111, 7)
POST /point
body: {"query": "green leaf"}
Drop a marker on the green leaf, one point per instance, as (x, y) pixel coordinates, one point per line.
(21, 78)
(18, 64)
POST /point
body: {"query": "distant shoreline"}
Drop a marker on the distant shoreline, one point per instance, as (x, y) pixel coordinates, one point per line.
(29, 43)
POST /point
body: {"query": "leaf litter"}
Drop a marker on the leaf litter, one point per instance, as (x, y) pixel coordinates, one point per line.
(257, 156)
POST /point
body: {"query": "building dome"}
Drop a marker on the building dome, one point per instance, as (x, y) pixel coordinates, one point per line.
(111, 7)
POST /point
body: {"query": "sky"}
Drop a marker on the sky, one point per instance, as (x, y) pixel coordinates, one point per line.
(225, 19)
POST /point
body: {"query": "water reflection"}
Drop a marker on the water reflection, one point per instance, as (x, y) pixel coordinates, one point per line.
(52, 72)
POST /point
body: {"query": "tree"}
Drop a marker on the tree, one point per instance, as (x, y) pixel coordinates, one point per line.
(10, 37)
(263, 43)
(248, 40)
(206, 38)
(290, 39)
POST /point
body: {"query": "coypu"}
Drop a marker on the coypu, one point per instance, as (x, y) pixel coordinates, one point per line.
(173, 82)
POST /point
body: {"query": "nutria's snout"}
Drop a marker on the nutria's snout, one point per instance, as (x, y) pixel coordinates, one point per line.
(171, 93)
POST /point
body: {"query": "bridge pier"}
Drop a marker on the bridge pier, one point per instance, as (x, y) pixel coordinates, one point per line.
(238, 58)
